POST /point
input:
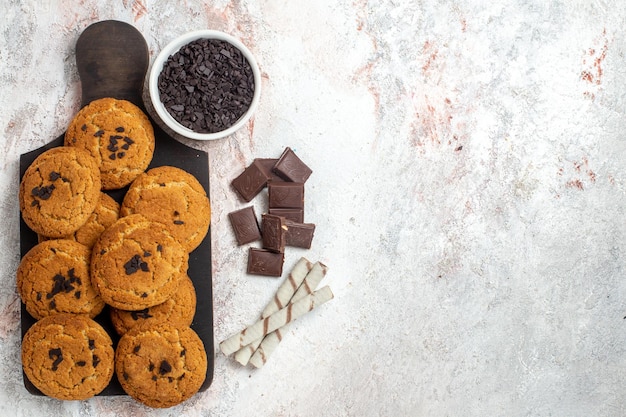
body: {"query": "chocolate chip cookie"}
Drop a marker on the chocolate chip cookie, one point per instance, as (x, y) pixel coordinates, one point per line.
(136, 263)
(59, 191)
(173, 197)
(68, 356)
(160, 365)
(177, 310)
(53, 277)
(118, 134)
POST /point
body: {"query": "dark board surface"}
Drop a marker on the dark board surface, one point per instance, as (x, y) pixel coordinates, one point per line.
(112, 59)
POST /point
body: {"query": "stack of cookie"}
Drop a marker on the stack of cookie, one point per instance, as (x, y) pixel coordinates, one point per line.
(96, 256)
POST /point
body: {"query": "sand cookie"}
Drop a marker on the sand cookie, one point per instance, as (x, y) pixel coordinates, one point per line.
(105, 214)
(53, 277)
(160, 365)
(118, 135)
(136, 264)
(68, 356)
(59, 191)
(173, 197)
(177, 310)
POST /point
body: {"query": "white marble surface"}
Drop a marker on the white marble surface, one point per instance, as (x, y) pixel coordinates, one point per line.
(468, 192)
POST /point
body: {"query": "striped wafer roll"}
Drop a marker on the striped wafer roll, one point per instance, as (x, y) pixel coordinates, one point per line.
(276, 320)
(270, 342)
(282, 297)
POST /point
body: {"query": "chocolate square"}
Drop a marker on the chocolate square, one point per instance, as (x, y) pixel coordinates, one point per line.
(265, 262)
(286, 195)
(251, 181)
(274, 232)
(267, 165)
(291, 168)
(245, 225)
(299, 234)
(295, 215)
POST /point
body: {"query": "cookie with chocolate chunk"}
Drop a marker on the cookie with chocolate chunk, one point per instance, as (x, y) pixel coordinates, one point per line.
(68, 356)
(177, 310)
(106, 213)
(136, 263)
(53, 277)
(160, 365)
(59, 191)
(174, 197)
(118, 134)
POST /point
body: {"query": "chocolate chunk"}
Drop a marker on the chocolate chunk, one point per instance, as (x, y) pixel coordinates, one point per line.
(125, 375)
(81, 363)
(245, 225)
(136, 348)
(119, 129)
(182, 353)
(291, 168)
(265, 262)
(147, 254)
(295, 215)
(299, 234)
(128, 140)
(43, 193)
(53, 305)
(121, 154)
(251, 181)
(273, 230)
(207, 85)
(178, 222)
(83, 127)
(267, 165)
(92, 344)
(112, 157)
(95, 360)
(286, 195)
(140, 314)
(54, 176)
(159, 248)
(99, 133)
(57, 357)
(135, 264)
(77, 295)
(165, 367)
(154, 377)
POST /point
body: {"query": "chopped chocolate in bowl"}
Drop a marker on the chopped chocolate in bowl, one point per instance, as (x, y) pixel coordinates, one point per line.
(204, 85)
(207, 85)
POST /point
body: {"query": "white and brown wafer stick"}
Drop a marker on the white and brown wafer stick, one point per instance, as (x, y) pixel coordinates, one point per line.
(275, 321)
(282, 297)
(271, 341)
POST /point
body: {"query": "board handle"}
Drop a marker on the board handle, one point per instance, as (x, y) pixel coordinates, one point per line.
(112, 58)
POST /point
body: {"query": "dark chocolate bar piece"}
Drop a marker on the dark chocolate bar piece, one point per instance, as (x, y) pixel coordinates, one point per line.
(267, 165)
(299, 234)
(251, 181)
(286, 195)
(265, 262)
(291, 168)
(274, 232)
(295, 215)
(245, 225)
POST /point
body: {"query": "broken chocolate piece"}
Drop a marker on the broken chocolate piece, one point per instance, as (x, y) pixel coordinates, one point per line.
(54, 176)
(245, 225)
(267, 165)
(143, 314)
(299, 234)
(274, 232)
(265, 262)
(295, 215)
(286, 195)
(251, 181)
(291, 168)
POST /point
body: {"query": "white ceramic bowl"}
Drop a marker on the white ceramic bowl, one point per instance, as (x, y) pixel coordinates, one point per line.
(171, 49)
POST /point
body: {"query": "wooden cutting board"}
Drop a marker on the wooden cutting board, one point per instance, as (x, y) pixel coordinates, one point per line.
(112, 59)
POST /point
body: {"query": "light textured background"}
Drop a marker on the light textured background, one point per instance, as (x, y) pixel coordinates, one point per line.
(468, 192)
